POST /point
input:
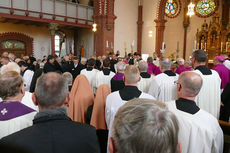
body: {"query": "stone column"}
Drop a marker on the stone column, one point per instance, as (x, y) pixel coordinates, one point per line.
(160, 27)
(139, 26)
(104, 18)
(53, 27)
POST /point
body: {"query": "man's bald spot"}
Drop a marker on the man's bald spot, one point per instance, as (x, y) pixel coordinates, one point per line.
(191, 83)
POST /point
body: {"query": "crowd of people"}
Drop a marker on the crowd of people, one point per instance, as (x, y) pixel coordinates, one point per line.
(114, 104)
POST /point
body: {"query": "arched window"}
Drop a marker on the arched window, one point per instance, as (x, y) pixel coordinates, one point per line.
(205, 8)
(57, 44)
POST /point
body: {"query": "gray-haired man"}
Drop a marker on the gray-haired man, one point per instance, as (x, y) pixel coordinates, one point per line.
(52, 130)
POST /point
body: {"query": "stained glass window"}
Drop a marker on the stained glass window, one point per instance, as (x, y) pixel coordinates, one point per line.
(11, 44)
(172, 8)
(205, 7)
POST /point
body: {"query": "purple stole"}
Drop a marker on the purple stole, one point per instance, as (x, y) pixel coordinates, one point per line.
(224, 74)
(118, 76)
(10, 110)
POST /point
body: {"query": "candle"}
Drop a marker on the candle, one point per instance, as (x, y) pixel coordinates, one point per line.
(107, 44)
(163, 45)
(132, 45)
(201, 46)
(221, 46)
(112, 45)
(195, 44)
(178, 45)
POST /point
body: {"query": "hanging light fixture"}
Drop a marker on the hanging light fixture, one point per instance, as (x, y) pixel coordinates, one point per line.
(94, 29)
(191, 9)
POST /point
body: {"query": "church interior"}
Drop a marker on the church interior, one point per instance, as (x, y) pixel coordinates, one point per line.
(81, 30)
(143, 26)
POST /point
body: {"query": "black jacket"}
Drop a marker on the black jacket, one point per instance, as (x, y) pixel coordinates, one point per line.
(55, 134)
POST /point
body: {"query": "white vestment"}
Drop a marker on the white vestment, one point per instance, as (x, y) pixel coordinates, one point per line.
(199, 132)
(103, 79)
(15, 124)
(27, 100)
(91, 76)
(144, 84)
(113, 103)
(208, 98)
(227, 64)
(163, 87)
(28, 75)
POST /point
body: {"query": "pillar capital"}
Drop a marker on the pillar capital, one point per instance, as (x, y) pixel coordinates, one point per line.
(53, 27)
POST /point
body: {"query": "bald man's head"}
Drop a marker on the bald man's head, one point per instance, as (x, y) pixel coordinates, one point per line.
(191, 83)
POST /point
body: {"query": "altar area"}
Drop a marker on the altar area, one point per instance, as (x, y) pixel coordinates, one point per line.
(214, 38)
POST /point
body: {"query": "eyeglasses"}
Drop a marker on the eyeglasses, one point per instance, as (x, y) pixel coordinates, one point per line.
(177, 83)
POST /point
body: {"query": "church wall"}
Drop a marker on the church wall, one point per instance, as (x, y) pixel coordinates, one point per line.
(40, 35)
(174, 33)
(149, 14)
(42, 41)
(85, 39)
(125, 25)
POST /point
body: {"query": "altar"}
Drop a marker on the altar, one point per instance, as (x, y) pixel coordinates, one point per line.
(214, 38)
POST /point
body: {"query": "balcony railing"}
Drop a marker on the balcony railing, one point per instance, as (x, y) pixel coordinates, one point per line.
(61, 12)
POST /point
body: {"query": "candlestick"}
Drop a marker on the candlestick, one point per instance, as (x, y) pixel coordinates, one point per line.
(226, 46)
(205, 46)
(221, 47)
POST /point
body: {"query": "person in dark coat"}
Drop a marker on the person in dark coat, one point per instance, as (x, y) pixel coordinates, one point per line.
(66, 64)
(52, 130)
(76, 67)
(49, 65)
(225, 99)
(36, 75)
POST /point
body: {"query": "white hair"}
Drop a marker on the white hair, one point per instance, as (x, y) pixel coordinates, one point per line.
(11, 66)
(143, 66)
(121, 66)
(180, 60)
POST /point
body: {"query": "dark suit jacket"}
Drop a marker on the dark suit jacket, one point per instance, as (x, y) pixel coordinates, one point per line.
(55, 134)
(76, 70)
(116, 85)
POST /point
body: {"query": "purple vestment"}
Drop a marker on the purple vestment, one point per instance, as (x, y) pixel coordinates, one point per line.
(180, 69)
(224, 74)
(10, 110)
(153, 69)
(118, 76)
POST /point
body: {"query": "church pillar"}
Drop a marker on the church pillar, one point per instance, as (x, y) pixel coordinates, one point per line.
(104, 18)
(186, 24)
(160, 27)
(53, 27)
(139, 26)
(225, 12)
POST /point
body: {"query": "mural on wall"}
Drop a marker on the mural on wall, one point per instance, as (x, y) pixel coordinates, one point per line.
(172, 8)
(205, 8)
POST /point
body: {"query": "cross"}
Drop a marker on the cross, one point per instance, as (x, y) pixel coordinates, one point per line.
(4, 111)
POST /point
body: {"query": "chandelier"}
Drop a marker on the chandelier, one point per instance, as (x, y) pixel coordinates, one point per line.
(191, 9)
(94, 29)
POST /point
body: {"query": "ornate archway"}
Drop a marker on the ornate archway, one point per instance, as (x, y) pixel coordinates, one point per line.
(24, 47)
